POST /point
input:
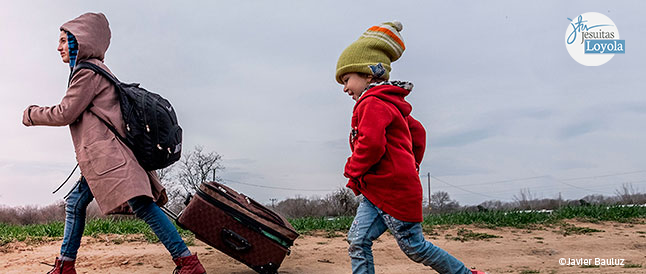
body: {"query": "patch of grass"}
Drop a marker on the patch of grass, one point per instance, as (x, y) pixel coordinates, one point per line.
(126, 227)
(590, 266)
(11, 233)
(569, 229)
(489, 219)
(428, 230)
(332, 234)
(641, 232)
(118, 241)
(622, 214)
(468, 235)
(632, 266)
(189, 240)
(94, 228)
(530, 220)
(303, 225)
(530, 271)
(483, 225)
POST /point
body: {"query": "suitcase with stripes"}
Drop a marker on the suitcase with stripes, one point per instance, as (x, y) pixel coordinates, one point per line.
(238, 226)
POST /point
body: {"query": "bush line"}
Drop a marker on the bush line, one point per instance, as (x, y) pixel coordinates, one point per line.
(517, 219)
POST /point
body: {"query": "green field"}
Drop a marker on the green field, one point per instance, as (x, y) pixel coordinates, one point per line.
(121, 226)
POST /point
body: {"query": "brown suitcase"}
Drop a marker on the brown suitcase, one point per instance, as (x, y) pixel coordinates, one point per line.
(238, 226)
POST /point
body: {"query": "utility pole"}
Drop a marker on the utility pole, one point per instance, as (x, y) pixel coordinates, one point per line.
(214, 175)
(429, 190)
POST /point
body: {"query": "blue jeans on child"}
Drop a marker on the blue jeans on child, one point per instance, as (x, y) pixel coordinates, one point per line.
(370, 222)
(144, 208)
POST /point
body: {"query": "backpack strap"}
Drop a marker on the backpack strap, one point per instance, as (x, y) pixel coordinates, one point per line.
(114, 81)
(97, 69)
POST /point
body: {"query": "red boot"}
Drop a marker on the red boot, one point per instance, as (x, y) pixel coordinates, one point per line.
(63, 267)
(188, 265)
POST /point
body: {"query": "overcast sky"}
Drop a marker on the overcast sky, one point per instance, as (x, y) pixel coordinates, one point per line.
(495, 87)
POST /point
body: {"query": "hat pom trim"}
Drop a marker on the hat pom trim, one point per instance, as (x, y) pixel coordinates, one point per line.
(397, 25)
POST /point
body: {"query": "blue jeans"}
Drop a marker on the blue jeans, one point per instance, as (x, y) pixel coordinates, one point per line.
(370, 222)
(144, 208)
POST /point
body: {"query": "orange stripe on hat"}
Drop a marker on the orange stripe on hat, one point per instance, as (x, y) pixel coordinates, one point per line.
(389, 33)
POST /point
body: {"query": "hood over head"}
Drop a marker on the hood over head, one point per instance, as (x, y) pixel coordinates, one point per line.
(92, 32)
(393, 92)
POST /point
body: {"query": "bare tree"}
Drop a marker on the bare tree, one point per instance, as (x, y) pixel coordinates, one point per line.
(342, 202)
(184, 177)
(627, 194)
(299, 207)
(524, 198)
(166, 174)
(597, 199)
(441, 202)
(175, 192)
(492, 205)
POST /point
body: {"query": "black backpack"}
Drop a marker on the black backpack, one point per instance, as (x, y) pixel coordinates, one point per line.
(152, 131)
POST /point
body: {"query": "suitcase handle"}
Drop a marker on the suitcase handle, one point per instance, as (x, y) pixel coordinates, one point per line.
(232, 240)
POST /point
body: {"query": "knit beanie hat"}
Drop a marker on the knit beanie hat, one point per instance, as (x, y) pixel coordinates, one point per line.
(373, 52)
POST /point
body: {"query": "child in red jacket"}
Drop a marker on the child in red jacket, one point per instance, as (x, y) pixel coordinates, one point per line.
(387, 148)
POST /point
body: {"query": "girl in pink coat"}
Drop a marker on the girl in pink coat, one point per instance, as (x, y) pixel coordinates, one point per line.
(110, 171)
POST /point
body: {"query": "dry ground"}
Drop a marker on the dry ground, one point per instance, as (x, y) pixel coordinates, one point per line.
(518, 251)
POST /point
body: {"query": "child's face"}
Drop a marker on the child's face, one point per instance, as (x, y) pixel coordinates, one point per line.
(354, 84)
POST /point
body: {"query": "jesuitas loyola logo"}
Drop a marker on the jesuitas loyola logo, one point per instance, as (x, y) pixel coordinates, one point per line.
(592, 39)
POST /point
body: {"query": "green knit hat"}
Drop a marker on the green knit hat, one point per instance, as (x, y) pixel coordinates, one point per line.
(373, 52)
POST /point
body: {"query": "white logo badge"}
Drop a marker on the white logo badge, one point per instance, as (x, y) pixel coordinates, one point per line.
(592, 39)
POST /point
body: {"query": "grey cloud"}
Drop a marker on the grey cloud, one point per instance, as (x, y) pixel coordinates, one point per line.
(463, 137)
(451, 166)
(578, 129)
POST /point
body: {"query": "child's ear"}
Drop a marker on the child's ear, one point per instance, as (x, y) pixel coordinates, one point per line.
(369, 78)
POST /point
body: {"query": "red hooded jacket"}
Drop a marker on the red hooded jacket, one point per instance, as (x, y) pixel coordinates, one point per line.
(387, 148)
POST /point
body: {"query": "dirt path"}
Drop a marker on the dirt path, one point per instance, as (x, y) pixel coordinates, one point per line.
(518, 251)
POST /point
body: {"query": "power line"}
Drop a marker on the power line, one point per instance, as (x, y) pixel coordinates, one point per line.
(556, 179)
(551, 188)
(617, 184)
(578, 187)
(275, 187)
(604, 175)
(504, 181)
(460, 187)
(466, 190)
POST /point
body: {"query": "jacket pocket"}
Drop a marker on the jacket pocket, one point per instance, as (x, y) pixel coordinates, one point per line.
(105, 156)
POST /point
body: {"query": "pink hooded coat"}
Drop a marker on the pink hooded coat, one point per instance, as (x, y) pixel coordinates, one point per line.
(108, 165)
